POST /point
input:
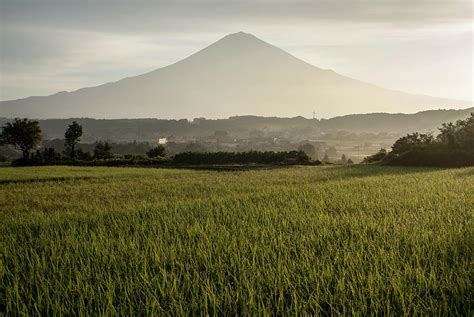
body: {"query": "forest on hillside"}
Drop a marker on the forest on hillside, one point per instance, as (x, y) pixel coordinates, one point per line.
(370, 125)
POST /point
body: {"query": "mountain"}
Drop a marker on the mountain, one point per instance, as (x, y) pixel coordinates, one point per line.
(239, 74)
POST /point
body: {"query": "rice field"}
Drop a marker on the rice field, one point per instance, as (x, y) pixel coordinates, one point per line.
(353, 240)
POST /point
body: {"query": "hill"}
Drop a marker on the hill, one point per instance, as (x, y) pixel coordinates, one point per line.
(125, 130)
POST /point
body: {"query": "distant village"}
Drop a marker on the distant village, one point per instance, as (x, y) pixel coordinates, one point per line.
(354, 136)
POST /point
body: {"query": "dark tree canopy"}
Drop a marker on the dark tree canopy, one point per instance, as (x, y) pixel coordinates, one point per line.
(103, 150)
(309, 149)
(156, 151)
(72, 137)
(459, 135)
(377, 157)
(343, 159)
(251, 157)
(409, 141)
(454, 146)
(326, 157)
(23, 134)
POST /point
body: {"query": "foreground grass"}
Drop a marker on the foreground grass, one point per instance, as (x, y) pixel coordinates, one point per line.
(303, 240)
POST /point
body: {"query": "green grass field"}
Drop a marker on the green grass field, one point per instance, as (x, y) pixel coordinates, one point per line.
(302, 240)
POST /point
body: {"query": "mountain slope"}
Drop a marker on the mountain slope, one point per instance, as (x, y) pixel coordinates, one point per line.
(237, 75)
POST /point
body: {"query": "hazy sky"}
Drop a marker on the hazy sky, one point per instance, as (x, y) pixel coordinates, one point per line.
(410, 45)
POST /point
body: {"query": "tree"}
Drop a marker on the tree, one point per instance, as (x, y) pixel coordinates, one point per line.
(377, 157)
(343, 159)
(23, 134)
(459, 135)
(453, 147)
(350, 161)
(411, 141)
(309, 149)
(83, 156)
(156, 151)
(326, 157)
(72, 137)
(103, 150)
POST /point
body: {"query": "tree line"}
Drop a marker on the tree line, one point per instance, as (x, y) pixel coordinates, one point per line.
(25, 135)
(452, 147)
(255, 157)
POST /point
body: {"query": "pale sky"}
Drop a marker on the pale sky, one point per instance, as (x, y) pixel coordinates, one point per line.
(410, 45)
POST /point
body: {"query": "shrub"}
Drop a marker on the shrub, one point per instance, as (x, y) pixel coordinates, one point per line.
(309, 149)
(103, 150)
(83, 156)
(251, 157)
(377, 157)
(158, 151)
(453, 147)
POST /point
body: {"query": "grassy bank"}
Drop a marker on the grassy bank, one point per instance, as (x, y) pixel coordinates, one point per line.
(318, 240)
